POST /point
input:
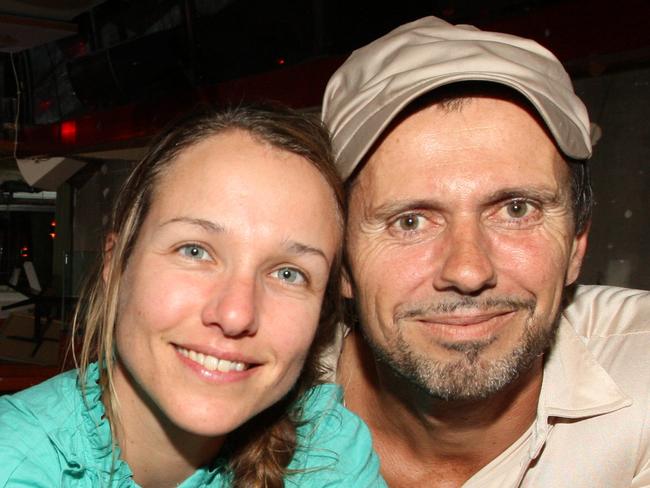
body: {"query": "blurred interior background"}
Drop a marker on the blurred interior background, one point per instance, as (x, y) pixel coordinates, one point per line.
(84, 84)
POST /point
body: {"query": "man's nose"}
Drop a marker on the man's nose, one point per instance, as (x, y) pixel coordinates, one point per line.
(467, 264)
(232, 307)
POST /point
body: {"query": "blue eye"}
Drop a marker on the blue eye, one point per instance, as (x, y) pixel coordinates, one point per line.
(290, 275)
(194, 251)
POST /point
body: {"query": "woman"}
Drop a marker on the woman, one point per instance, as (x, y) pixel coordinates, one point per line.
(217, 293)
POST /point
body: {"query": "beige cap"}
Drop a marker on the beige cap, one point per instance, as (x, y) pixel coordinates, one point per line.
(378, 80)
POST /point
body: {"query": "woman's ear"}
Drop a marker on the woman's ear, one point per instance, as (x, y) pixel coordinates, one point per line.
(109, 246)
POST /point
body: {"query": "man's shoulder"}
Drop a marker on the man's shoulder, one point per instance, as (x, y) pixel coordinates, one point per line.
(602, 311)
(613, 324)
(595, 383)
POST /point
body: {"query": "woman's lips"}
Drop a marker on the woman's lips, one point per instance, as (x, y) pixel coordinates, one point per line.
(212, 363)
(216, 366)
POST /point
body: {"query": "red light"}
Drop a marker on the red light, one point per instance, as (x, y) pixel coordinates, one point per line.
(281, 61)
(24, 252)
(44, 105)
(79, 49)
(53, 223)
(53, 235)
(69, 131)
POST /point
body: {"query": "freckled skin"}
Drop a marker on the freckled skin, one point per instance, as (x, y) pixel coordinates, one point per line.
(455, 214)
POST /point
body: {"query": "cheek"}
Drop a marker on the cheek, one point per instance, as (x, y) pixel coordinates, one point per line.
(158, 301)
(392, 266)
(292, 329)
(389, 277)
(539, 259)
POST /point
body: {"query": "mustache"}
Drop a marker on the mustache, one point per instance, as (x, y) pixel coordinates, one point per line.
(487, 304)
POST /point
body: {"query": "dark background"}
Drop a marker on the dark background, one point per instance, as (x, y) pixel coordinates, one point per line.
(93, 80)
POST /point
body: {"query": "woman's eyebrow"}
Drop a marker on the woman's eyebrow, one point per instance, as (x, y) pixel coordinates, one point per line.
(300, 248)
(203, 223)
(294, 247)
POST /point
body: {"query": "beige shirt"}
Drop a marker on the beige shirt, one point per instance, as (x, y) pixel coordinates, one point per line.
(593, 419)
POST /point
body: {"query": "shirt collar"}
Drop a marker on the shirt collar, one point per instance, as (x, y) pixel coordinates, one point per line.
(574, 384)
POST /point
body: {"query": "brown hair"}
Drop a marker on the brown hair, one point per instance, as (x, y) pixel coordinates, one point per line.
(261, 449)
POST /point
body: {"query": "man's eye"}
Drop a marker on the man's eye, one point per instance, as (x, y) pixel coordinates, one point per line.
(518, 209)
(518, 213)
(290, 275)
(409, 222)
(194, 251)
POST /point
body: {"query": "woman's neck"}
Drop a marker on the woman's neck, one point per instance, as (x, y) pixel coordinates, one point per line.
(158, 452)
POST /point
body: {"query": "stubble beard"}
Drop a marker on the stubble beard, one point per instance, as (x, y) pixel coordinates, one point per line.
(470, 376)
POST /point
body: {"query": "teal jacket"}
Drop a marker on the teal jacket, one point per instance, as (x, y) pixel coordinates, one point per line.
(50, 438)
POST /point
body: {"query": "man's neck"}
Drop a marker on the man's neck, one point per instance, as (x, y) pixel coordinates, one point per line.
(419, 437)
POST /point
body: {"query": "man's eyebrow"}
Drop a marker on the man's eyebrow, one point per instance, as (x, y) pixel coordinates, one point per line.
(203, 223)
(300, 248)
(548, 196)
(395, 207)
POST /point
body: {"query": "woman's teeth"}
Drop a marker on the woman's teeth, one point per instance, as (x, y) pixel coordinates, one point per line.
(212, 363)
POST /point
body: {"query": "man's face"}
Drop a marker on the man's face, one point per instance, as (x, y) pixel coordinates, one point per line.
(460, 243)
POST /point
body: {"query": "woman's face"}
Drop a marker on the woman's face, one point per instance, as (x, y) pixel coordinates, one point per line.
(221, 297)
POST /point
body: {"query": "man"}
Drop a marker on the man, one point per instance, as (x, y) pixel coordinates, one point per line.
(464, 153)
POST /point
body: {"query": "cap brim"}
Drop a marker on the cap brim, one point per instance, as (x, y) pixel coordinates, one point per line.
(370, 128)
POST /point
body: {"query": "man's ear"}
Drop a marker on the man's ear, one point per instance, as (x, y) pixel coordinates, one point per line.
(346, 284)
(109, 246)
(578, 250)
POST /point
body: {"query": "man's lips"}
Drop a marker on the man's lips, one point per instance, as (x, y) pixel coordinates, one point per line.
(463, 320)
(464, 326)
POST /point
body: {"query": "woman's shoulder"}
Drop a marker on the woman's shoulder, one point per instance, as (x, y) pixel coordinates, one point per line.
(335, 445)
(326, 418)
(324, 414)
(48, 429)
(27, 420)
(43, 405)
(50, 391)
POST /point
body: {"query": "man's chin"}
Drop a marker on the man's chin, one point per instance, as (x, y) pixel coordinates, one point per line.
(465, 371)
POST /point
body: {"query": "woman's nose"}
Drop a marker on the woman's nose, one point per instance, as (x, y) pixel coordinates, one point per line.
(233, 307)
